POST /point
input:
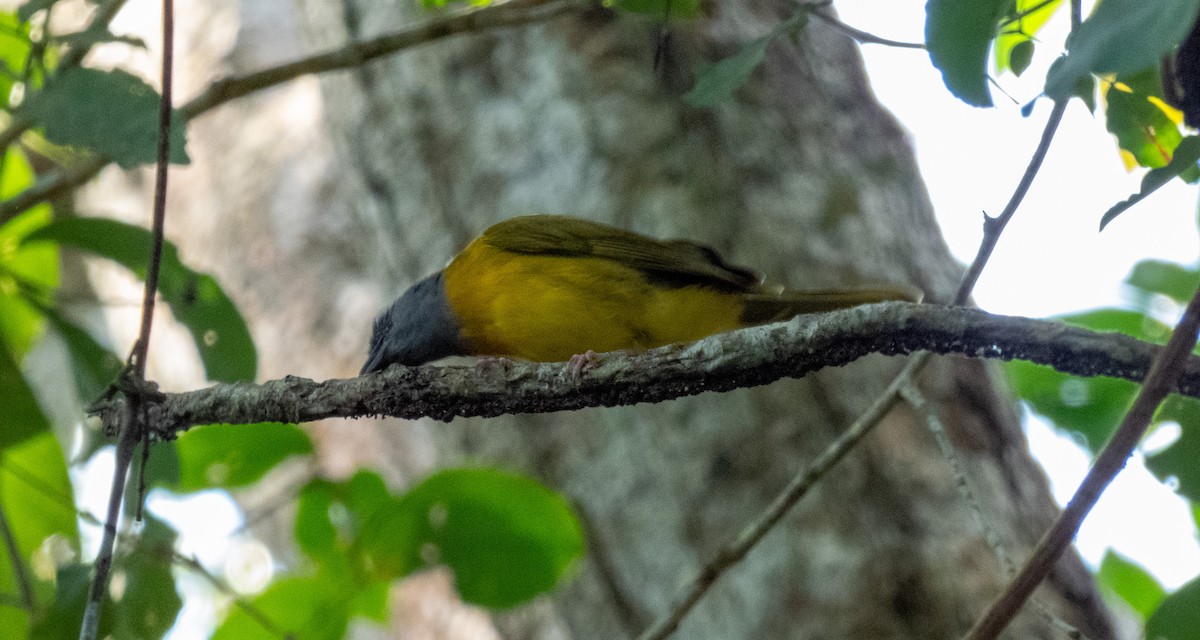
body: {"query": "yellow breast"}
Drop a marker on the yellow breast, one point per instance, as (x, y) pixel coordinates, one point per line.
(548, 308)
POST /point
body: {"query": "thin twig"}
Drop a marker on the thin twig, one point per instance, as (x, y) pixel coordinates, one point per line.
(913, 396)
(142, 347)
(860, 36)
(733, 552)
(993, 227)
(475, 19)
(125, 447)
(1111, 460)
(933, 422)
(133, 425)
(20, 573)
(220, 585)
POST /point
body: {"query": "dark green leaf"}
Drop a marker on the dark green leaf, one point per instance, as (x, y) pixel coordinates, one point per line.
(1090, 407)
(63, 618)
(959, 35)
(26, 11)
(98, 34)
(1186, 154)
(1131, 583)
(659, 8)
(162, 469)
(506, 537)
(229, 456)
(1020, 57)
(1181, 460)
(149, 601)
(22, 417)
(717, 83)
(1141, 126)
(1085, 90)
(112, 112)
(1174, 281)
(1179, 615)
(300, 608)
(1120, 37)
(195, 298)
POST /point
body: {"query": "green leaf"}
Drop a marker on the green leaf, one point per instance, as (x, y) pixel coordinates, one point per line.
(229, 456)
(94, 366)
(196, 299)
(15, 49)
(372, 602)
(1026, 19)
(506, 537)
(1090, 407)
(719, 81)
(1136, 117)
(1131, 583)
(1179, 615)
(315, 532)
(14, 623)
(1180, 460)
(36, 496)
(658, 8)
(332, 516)
(309, 608)
(22, 416)
(1131, 323)
(958, 34)
(1186, 154)
(24, 270)
(1121, 37)
(1174, 281)
(112, 112)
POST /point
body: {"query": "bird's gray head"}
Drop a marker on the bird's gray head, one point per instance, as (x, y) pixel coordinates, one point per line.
(419, 327)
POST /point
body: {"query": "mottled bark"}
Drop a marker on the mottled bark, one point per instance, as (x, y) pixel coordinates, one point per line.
(316, 205)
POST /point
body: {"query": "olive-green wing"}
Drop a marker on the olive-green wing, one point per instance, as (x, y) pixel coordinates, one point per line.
(670, 262)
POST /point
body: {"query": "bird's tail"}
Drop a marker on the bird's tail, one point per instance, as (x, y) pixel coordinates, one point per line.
(761, 308)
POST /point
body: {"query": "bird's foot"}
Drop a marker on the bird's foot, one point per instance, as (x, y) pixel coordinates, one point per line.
(581, 362)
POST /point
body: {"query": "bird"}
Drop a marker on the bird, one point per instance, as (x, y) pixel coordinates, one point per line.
(548, 288)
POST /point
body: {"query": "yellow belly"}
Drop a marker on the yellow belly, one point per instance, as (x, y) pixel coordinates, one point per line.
(548, 308)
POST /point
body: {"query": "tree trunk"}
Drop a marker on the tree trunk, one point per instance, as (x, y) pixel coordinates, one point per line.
(316, 206)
